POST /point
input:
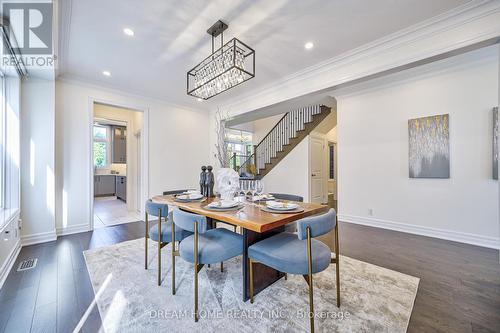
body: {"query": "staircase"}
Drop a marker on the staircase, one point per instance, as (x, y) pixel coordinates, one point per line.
(292, 128)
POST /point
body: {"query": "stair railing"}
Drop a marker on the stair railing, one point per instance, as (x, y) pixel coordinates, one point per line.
(280, 135)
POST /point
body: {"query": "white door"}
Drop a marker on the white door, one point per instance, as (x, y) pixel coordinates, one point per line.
(317, 168)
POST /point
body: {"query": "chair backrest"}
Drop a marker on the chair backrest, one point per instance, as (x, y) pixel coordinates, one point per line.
(173, 192)
(289, 197)
(319, 224)
(152, 208)
(187, 220)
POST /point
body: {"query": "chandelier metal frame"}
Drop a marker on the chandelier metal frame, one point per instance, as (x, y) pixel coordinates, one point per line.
(232, 56)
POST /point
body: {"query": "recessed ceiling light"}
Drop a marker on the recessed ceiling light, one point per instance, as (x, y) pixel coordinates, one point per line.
(128, 32)
(106, 73)
(309, 45)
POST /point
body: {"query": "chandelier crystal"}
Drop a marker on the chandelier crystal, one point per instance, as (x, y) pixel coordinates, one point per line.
(232, 64)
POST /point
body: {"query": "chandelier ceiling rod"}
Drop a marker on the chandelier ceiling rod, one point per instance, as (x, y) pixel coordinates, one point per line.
(215, 30)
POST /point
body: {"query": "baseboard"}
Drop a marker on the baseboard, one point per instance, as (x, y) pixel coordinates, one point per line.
(9, 263)
(38, 238)
(473, 239)
(73, 229)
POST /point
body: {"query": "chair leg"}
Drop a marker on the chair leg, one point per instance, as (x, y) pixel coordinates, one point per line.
(250, 264)
(196, 272)
(337, 257)
(222, 266)
(159, 247)
(146, 236)
(173, 258)
(309, 269)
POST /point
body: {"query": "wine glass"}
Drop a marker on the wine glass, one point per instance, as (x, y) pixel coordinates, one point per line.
(259, 188)
(253, 188)
(243, 188)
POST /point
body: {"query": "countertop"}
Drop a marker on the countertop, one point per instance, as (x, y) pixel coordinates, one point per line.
(110, 174)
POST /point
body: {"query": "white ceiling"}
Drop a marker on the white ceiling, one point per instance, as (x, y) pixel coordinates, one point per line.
(170, 38)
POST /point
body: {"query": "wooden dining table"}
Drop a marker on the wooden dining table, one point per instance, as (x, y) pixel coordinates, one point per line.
(255, 224)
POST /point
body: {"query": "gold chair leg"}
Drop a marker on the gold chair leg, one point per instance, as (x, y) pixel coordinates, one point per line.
(196, 272)
(221, 266)
(309, 269)
(159, 246)
(146, 236)
(173, 258)
(337, 257)
(250, 264)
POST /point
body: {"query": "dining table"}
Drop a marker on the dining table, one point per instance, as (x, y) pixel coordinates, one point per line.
(255, 225)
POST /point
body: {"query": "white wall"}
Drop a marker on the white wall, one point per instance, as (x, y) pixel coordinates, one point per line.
(133, 119)
(291, 175)
(262, 126)
(38, 160)
(177, 141)
(373, 150)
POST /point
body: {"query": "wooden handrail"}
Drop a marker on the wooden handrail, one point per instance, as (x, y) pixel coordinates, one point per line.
(272, 129)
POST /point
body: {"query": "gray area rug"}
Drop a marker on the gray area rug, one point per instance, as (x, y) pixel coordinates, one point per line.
(373, 299)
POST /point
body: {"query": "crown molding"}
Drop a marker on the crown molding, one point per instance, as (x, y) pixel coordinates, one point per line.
(77, 80)
(465, 25)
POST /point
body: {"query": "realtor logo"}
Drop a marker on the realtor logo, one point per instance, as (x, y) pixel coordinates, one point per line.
(30, 25)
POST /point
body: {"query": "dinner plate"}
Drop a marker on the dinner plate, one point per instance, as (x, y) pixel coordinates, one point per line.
(220, 209)
(189, 197)
(274, 211)
(281, 206)
(191, 192)
(223, 204)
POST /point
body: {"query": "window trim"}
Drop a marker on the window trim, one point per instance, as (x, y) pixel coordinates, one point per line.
(107, 141)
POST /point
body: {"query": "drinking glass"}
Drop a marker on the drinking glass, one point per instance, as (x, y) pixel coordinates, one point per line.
(259, 187)
(253, 188)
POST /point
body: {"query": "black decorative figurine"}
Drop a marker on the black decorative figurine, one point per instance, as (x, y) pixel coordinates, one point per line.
(203, 177)
(209, 182)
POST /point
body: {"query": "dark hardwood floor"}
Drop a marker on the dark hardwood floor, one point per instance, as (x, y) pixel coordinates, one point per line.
(459, 288)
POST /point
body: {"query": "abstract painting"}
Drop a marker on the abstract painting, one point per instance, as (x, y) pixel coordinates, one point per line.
(429, 147)
(495, 143)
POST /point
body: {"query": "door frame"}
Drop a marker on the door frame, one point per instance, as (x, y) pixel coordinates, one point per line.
(324, 161)
(144, 175)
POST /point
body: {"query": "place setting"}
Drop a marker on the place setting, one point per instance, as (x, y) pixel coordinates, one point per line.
(224, 205)
(190, 196)
(281, 207)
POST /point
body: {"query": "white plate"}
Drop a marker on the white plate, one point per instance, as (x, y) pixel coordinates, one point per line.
(276, 205)
(194, 196)
(223, 204)
(191, 192)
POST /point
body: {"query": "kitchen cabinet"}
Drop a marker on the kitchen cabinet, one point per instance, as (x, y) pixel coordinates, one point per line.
(119, 144)
(121, 187)
(104, 185)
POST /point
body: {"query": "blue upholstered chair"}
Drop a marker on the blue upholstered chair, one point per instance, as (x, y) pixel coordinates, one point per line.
(165, 229)
(299, 253)
(205, 246)
(290, 227)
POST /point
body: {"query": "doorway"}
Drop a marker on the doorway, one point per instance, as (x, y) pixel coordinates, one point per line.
(116, 164)
(317, 168)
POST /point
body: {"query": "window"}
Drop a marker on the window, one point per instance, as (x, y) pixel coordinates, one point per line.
(331, 160)
(101, 146)
(9, 146)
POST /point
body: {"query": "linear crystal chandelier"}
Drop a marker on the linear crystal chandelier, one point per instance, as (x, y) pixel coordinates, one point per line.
(230, 65)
